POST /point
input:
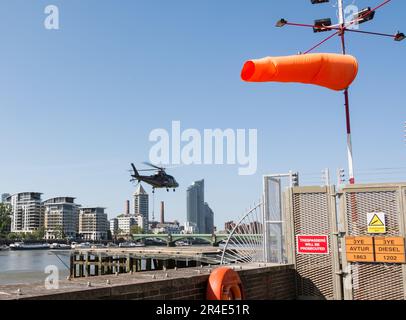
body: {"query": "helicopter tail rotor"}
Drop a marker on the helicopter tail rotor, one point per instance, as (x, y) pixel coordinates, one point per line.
(136, 174)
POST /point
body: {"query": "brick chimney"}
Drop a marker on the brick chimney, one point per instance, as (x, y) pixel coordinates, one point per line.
(127, 207)
(162, 212)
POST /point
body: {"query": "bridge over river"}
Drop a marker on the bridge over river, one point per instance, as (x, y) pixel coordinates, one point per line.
(213, 239)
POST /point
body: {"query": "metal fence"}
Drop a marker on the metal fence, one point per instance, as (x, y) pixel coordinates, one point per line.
(301, 227)
(373, 281)
(311, 213)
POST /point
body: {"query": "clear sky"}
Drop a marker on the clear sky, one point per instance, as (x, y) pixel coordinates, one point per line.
(77, 104)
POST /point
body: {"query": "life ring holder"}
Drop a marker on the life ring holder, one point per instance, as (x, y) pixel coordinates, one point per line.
(224, 284)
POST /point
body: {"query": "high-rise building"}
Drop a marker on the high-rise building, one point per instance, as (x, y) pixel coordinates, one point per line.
(208, 219)
(27, 211)
(141, 206)
(199, 213)
(61, 218)
(93, 223)
(195, 205)
(4, 197)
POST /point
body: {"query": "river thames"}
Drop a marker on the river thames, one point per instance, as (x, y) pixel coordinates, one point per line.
(28, 266)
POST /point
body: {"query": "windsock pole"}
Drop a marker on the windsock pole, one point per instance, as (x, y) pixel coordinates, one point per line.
(340, 30)
(346, 97)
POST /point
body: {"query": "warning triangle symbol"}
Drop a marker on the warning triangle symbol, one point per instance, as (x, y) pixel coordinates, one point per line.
(376, 221)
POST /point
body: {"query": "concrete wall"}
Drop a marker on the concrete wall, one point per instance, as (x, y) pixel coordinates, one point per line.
(267, 282)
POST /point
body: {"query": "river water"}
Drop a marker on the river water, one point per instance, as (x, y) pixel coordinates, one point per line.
(19, 267)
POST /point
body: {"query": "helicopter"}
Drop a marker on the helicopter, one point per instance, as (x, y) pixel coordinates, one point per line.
(158, 180)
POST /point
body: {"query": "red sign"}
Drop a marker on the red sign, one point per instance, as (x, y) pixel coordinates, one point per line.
(312, 244)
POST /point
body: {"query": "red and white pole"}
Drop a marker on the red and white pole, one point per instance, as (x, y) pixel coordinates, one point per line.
(346, 98)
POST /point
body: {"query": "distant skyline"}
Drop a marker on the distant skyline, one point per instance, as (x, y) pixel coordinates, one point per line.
(78, 104)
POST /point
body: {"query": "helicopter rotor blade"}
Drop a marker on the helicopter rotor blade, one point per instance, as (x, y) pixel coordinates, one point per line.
(175, 166)
(166, 167)
(154, 166)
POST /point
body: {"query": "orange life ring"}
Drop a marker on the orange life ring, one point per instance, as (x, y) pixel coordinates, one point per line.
(224, 284)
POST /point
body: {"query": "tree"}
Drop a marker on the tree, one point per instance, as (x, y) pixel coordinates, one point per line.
(60, 233)
(28, 236)
(38, 234)
(115, 234)
(13, 236)
(136, 230)
(5, 219)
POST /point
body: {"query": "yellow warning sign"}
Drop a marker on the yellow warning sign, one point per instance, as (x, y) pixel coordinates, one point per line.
(376, 222)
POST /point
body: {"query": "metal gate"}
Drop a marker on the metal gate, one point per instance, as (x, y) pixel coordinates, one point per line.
(273, 221)
(373, 281)
(311, 212)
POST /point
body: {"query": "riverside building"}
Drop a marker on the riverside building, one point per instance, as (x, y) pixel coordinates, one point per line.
(93, 224)
(61, 218)
(27, 213)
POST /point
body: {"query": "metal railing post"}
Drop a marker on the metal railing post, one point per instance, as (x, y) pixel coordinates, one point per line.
(265, 219)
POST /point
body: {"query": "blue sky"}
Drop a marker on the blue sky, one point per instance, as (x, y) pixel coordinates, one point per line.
(77, 104)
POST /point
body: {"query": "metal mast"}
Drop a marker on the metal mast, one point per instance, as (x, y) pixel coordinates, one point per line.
(343, 26)
(346, 98)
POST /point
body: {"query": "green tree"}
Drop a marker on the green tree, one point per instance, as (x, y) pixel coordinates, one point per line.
(60, 233)
(5, 219)
(38, 234)
(13, 236)
(136, 230)
(28, 236)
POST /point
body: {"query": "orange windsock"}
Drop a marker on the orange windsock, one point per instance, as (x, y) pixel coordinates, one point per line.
(333, 71)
